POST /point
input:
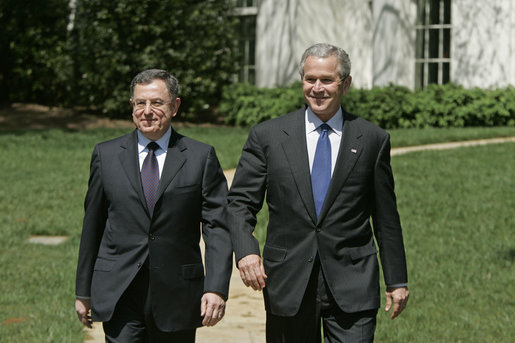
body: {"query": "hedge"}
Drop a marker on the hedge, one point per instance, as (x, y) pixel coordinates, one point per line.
(389, 107)
(88, 62)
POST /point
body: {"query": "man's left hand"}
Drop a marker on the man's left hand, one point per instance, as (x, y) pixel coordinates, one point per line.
(212, 308)
(398, 297)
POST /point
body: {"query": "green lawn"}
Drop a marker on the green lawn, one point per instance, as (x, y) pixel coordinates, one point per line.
(456, 207)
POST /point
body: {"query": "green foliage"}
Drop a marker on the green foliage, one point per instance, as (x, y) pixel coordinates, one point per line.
(246, 104)
(389, 107)
(34, 62)
(114, 40)
(91, 65)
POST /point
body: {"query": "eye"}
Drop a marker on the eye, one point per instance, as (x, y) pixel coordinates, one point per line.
(157, 103)
(327, 81)
(140, 103)
(310, 80)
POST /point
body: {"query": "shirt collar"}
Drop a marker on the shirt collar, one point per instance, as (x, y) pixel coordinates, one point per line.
(313, 122)
(162, 142)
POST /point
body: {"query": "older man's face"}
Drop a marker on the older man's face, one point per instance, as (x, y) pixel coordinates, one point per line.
(323, 89)
(152, 109)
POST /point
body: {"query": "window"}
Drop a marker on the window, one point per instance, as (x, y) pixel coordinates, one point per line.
(433, 42)
(246, 11)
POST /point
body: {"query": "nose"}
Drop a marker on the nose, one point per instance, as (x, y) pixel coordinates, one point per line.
(317, 87)
(148, 108)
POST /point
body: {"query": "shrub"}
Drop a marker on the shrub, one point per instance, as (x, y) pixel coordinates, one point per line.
(389, 107)
(35, 65)
(114, 40)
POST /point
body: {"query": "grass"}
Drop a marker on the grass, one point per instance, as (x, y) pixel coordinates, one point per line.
(455, 207)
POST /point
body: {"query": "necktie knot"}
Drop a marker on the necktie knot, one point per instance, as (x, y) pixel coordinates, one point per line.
(325, 127)
(152, 146)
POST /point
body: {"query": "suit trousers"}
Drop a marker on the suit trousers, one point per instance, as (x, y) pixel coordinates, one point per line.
(319, 305)
(132, 320)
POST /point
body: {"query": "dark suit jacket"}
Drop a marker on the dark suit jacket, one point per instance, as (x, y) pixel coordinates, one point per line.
(118, 233)
(274, 162)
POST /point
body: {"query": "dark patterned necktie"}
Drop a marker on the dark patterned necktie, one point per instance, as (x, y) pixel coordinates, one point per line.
(150, 176)
(321, 170)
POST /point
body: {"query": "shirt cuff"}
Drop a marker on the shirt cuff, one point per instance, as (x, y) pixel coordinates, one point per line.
(397, 285)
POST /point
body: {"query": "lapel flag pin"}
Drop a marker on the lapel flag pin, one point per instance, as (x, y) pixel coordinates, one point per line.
(353, 151)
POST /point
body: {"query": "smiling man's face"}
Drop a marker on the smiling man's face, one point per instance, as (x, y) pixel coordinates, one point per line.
(153, 109)
(322, 87)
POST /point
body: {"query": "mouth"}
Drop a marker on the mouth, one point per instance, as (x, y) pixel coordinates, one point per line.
(319, 99)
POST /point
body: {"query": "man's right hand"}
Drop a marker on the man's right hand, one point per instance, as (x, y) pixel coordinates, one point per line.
(82, 306)
(252, 272)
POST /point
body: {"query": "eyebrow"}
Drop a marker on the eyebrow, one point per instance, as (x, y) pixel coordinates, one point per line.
(151, 99)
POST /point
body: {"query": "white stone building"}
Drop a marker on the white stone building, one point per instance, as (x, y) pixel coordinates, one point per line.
(405, 42)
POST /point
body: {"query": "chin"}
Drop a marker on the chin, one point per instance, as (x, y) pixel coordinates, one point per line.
(148, 128)
(319, 109)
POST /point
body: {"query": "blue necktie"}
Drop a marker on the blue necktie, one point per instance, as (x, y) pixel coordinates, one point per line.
(150, 176)
(321, 171)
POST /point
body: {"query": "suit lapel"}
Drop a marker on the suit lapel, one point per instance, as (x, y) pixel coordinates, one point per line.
(351, 147)
(173, 162)
(295, 148)
(130, 161)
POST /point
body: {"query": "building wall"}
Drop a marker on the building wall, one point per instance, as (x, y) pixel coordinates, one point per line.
(393, 42)
(285, 29)
(379, 36)
(483, 43)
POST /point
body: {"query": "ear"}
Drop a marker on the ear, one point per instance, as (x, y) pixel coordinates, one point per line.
(346, 84)
(131, 102)
(175, 106)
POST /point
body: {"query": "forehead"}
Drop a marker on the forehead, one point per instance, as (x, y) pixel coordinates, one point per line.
(321, 66)
(155, 89)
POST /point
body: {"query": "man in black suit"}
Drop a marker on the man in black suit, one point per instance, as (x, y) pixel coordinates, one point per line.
(325, 173)
(140, 267)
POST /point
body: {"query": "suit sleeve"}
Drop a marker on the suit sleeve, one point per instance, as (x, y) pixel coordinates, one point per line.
(215, 231)
(386, 221)
(246, 196)
(95, 218)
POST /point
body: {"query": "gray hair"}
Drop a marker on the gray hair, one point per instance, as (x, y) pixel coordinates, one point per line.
(325, 50)
(147, 76)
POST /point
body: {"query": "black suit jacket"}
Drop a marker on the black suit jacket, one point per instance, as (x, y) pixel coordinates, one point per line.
(118, 233)
(275, 162)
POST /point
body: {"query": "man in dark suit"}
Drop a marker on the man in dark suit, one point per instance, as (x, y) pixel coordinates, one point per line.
(325, 173)
(140, 267)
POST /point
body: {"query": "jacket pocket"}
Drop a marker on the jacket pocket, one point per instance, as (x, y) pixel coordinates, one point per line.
(104, 265)
(186, 189)
(274, 254)
(357, 253)
(192, 271)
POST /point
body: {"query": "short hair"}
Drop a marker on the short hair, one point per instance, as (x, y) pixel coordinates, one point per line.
(324, 50)
(147, 76)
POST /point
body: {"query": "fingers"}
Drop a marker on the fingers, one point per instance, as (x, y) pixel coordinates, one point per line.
(388, 302)
(82, 308)
(212, 309)
(398, 297)
(252, 272)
